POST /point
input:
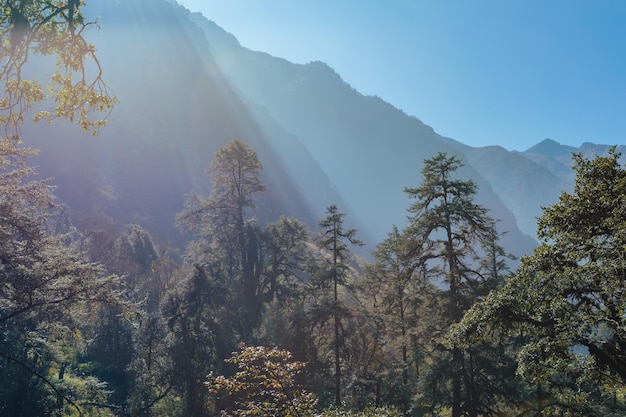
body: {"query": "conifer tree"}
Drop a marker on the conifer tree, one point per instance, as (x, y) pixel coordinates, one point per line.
(447, 230)
(233, 270)
(334, 239)
(228, 235)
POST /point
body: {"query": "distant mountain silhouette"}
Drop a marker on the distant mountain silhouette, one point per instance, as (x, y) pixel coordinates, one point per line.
(523, 185)
(551, 148)
(333, 120)
(558, 158)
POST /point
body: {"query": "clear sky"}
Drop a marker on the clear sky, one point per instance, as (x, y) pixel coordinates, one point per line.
(484, 72)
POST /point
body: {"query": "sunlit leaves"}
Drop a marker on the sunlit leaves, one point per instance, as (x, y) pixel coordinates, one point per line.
(38, 33)
(265, 384)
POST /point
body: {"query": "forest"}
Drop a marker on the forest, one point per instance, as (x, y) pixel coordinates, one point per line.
(264, 316)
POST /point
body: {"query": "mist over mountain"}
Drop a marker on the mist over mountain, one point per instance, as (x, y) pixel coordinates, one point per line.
(175, 110)
(341, 118)
(186, 87)
(370, 149)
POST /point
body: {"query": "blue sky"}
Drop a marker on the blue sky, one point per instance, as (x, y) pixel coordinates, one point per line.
(484, 72)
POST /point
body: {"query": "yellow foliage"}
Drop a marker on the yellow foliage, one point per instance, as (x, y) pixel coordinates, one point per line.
(75, 91)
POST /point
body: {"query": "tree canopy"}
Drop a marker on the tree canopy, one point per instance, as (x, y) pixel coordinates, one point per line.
(451, 239)
(109, 322)
(567, 299)
(48, 288)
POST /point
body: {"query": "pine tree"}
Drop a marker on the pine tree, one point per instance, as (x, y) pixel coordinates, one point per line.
(232, 271)
(228, 236)
(446, 233)
(334, 239)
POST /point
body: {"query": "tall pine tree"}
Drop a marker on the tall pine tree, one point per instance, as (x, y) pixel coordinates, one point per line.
(334, 239)
(447, 230)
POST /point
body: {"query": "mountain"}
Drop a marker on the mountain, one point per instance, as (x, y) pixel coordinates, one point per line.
(523, 185)
(175, 110)
(186, 87)
(550, 148)
(334, 120)
(370, 149)
(558, 158)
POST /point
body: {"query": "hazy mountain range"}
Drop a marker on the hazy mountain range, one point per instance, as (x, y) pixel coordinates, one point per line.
(186, 87)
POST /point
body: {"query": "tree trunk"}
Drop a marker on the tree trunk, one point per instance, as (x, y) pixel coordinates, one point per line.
(336, 314)
(337, 364)
(456, 382)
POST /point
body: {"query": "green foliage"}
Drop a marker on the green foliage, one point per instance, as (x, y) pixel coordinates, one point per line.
(566, 300)
(48, 293)
(228, 236)
(200, 333)
(237, 274)
(448, 227)
(48, 289)
(334, 239)
(265, 384)
(394, 293)
(368, 412)
(452, 241)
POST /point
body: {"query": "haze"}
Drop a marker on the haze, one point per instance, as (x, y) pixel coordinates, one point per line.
(484, 73)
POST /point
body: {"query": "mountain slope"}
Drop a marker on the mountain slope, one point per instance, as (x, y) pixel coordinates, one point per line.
(558, 158)
(369, 149)
(175, 110)
(523, 185)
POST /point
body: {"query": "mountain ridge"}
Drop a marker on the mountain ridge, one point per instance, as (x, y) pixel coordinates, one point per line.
(524, 181)
(186, 87)
(336, 123)
(175, 110)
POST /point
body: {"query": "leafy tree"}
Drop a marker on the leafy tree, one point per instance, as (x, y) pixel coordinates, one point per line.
(566, 300)
(228, 234)
(49, 28)
(233, 271)
(283, 253)
(48, 291)
(335, 239)
(365, 363)
(200, 334)
(153, 390)
(113, 337)
(395, 289)
(257, 264)
(446, 233)
(265, 385)
(367, 412)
